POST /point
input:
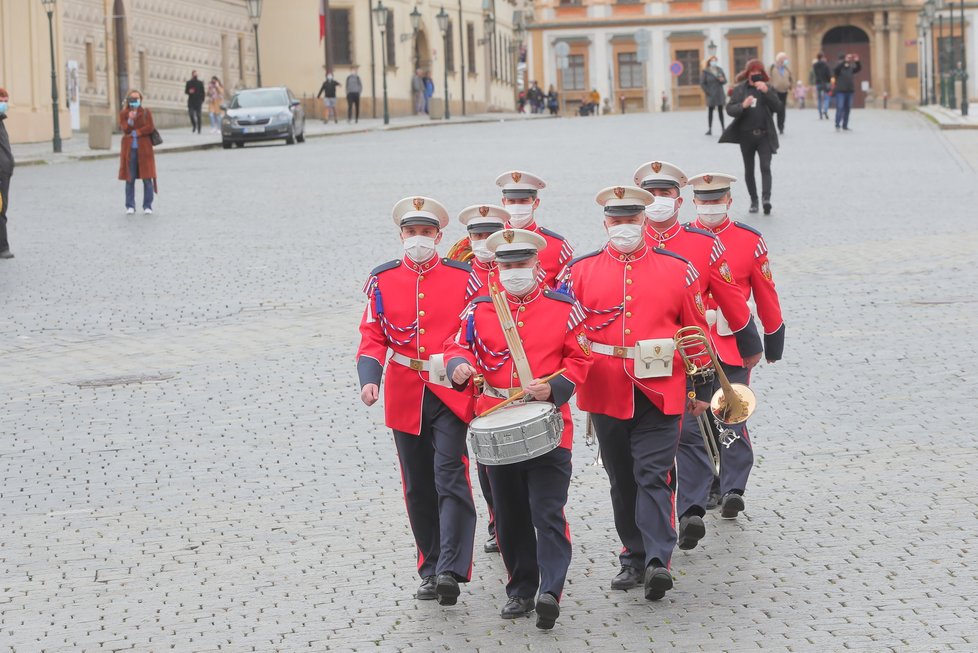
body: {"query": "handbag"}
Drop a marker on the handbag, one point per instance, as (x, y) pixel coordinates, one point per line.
(155, 137)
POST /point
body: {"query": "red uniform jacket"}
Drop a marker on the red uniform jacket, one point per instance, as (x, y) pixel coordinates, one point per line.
(540, 319)
(412, 309)
(555, 257)
(650, 293)
(705, 252)
(747, 256)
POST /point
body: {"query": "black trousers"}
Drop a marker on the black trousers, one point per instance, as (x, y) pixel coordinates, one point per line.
(751, 144)
(194, 111)
(487, 495)
(533, 535)
(5, 199)
(639, 456)
(784, 107)
(709, 116)
(352, 99)
(435, 475)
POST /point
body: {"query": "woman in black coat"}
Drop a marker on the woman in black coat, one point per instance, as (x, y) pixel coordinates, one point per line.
(753, 105)
(712, 81)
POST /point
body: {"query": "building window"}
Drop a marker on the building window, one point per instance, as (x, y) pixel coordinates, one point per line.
(450, 47)
(470, 42)
(949, 49)
(741, 56)
(574, 73)
(90, 62)
(629, 71)
(390, 38)
(340, 37)
(690, 59)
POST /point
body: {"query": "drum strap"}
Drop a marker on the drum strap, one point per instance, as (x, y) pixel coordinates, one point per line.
(498, 393)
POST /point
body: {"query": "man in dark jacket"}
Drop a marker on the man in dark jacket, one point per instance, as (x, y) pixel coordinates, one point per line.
(6, 171)
(845, 86)
(822, 77)
(194, 90)
(753, 105)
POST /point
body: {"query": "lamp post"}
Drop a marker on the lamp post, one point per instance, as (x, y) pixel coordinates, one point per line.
(921, 64)
(254, 13)
(929, 11)
(380, 16)
(964, 65)
(442, 18)
(951, 102)
(940, 58)
(56, 139)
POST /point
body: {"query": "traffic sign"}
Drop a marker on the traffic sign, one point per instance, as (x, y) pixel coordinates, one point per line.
(676, 68)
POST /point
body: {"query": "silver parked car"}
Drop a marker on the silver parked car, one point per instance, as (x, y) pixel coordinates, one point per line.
(263, 114)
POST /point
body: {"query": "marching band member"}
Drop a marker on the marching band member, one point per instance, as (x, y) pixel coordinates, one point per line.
(748, 261)
(533, 535)
(481, 221)
(521, 200)
(738, 345)
(635, 298)
(412, 309)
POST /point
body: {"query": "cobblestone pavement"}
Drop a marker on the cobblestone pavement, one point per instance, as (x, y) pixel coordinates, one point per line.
(186, 465)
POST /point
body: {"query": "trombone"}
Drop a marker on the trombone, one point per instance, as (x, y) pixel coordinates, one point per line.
(733, 403)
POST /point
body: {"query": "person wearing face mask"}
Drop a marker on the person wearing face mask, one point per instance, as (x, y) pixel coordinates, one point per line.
(529, 496)
(481, 221)
(194, 90)
(736, 341)
(136, 160)
(752, 105)
(747, 257)
(520, 198)
(328, 93)
(6, 172)
(413, 307)
(634, 298)
(781, 81)
(712, 82)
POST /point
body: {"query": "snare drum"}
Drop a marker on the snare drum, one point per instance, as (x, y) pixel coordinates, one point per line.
(516, 433)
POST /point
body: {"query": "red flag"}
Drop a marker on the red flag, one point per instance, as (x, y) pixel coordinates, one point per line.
(322, 19)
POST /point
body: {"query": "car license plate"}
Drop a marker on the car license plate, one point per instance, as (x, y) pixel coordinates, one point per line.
(255, 129)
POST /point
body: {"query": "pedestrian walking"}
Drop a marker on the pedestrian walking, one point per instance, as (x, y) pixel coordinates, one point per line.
(752, 106)
(781, 80)
(429, 91)
(595, 100)
(822, 78)
(417, 92)
(215, 98)
(712, 82)
(800, 93)
(553, 100)
(6, 172)
(194, 90)
(328, 93)
(845, 87)
(354, 87)
(136, 160)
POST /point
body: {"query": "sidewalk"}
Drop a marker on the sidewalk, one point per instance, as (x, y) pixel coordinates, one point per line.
(951, 118)
(183, 140)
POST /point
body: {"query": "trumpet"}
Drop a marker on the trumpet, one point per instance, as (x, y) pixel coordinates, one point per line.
(733, 403)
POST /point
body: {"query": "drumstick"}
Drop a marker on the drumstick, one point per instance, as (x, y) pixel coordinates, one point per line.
(522, 393)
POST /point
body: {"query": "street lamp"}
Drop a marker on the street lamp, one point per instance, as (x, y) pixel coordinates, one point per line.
(711, 48)
(254, 12)
(415, 17)
(56, 140)
(380, 17)
(930, 9)
(921, 54)
(964, 66)
(442, 17)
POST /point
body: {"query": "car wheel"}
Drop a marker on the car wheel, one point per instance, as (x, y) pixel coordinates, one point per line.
(226, 145)
(301, 137)
(239, 143)
(290, 139)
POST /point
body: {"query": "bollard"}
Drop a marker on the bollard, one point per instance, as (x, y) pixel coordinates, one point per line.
(100, 131)
(886, 98)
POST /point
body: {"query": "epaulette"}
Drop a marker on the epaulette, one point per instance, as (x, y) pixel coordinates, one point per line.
(481, 299)
(552, 234)
(384, 267)
(559, 296)
(458, 265)
(666, 252)
(696, 230)
(748, 228)
(584, 256)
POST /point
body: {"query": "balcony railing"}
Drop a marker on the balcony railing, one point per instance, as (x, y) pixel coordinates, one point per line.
(829, 6)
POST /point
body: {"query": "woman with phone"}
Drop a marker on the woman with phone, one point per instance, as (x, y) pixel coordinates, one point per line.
(136, 160)
(753, 105)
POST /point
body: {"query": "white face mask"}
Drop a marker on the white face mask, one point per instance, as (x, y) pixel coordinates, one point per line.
(661, 210)
(518, 281)
(521, 214)
(419, 248)
(711, 214)
(626, 238)
(481, 251)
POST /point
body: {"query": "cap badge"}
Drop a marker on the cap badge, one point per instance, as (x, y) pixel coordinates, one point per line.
(656, 167)
(508, 235)
(483, 211)
(516, 177)
(657, 349)
(708, 179)
(619, 192)
(418, 203)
